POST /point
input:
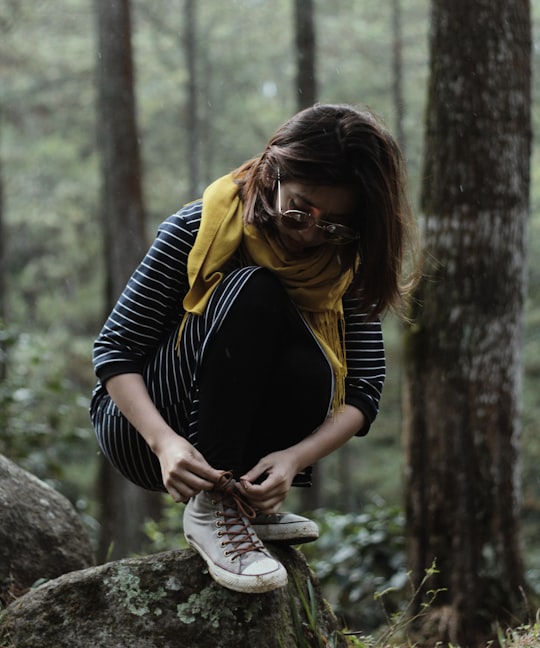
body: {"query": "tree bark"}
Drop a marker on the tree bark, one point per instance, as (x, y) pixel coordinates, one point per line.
(397, 68)
(306, 93)
(3, 346)
(306, 78)
(124, 507)
(463, 350)
(190, 48)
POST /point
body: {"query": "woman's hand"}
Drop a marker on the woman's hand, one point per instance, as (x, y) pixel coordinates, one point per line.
(277, 471)
(184, 470)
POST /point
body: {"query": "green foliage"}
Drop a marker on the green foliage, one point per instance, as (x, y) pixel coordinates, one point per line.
(166, 533)
(358, 555)
(525, 636)
(44, 416)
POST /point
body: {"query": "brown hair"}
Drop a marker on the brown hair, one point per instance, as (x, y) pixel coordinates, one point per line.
(339, 145)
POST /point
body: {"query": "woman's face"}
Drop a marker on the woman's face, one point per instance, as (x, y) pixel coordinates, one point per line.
(326, 204)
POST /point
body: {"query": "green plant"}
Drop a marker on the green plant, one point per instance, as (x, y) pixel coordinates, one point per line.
(524, 636)
(166, 533)
(358, 555)
(308, 634)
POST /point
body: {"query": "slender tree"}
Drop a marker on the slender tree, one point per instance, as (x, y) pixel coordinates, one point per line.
(464, 349)
(306, 78)
(190, 48)
(397, 77)
(306, 94)
(124, 507)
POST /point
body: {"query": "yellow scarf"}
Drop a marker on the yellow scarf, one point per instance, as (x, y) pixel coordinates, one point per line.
(315, 283)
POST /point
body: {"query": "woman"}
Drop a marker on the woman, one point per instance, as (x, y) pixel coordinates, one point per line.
(247, 344)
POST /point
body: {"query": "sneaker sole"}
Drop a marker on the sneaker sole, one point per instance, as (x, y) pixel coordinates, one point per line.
(248, 584)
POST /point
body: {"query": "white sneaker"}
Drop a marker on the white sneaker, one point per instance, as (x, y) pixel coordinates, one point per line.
(217, 526)
(287, 528)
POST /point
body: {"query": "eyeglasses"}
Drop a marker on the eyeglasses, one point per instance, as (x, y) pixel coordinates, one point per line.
(295, 219)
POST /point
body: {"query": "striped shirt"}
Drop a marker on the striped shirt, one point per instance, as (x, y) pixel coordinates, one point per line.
(150, 309)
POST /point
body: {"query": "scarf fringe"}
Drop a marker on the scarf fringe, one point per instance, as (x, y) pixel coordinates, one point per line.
(329, 327)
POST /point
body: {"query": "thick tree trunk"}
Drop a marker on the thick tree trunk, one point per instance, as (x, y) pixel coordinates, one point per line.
(464, 361)
(3, 348)
(124, 507)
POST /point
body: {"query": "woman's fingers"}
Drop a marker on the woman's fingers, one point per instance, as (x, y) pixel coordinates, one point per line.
(266, 498)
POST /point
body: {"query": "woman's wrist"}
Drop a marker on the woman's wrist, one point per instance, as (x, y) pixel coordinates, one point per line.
(161, 437)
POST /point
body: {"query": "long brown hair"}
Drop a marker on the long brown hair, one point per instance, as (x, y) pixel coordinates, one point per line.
(339, 145)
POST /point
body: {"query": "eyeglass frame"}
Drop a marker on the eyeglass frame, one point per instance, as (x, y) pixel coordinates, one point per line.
(347, 233)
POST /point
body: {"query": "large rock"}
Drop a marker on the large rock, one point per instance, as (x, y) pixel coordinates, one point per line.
(41, 535)
(169, 600)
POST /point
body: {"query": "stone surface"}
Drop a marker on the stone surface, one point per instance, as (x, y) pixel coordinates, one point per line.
(169, 600)
(41, 535)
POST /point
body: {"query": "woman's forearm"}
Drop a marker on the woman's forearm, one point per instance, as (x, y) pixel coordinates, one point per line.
(130, 394)
(185, 472)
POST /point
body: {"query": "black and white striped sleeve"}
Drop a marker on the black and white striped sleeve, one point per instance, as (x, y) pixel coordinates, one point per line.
(151, 304)
(366, 363)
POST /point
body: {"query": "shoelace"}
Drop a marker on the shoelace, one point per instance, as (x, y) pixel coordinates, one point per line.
(237, 513)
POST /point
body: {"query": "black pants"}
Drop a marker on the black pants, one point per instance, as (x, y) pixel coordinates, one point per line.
(264, 383)
(249, 379)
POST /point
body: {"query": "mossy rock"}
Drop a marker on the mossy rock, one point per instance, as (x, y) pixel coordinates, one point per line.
(169, 600)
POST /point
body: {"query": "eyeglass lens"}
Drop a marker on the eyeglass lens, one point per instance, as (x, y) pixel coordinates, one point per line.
(299, 220)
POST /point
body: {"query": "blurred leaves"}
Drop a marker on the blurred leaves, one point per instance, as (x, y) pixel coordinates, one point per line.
(44, 416)
(357, 556)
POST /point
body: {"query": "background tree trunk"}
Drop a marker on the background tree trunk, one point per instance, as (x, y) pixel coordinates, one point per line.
(124, 507)
(464, 361)
(3, 346)
(190, 48)
(397, 68)
(305, 39)
(306, 93)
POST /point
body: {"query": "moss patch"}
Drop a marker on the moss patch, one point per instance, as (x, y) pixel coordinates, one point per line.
(136, 600)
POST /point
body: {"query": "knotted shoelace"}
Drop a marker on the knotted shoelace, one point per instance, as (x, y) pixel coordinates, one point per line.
(236, 514)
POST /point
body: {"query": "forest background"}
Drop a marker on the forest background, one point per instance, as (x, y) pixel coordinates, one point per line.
(54, 274)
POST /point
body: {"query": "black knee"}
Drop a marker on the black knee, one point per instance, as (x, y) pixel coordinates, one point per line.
(263, 293)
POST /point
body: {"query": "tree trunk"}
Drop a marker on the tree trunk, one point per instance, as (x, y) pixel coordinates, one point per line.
(463, 350)
(124, 507)
(190, 48)
(306, 79)
(397, 80)
(306, 93)
(3, 347)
